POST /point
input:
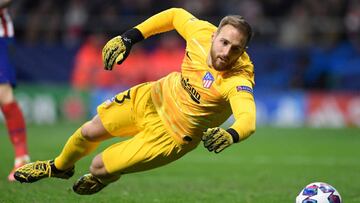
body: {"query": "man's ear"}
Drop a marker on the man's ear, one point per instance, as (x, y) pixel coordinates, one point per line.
(213, 36)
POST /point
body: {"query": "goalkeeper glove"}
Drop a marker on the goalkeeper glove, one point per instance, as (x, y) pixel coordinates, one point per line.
(217, 139)
(118, 48)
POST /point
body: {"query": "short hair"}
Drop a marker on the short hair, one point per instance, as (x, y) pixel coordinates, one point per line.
(239, 23)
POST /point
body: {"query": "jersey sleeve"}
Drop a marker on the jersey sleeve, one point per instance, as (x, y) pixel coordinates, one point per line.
(239, 92)
(175, 18)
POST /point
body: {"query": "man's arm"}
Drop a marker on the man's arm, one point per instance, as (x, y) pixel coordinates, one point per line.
(243, 107)
(244, 110)
(117, 49)
(174, 18)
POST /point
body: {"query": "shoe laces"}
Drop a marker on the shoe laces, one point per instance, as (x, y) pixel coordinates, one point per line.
(41, 167)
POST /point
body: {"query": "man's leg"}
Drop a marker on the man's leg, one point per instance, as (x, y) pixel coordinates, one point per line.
(15, 123)
(149, 149)
(81, 143)
(151, 146)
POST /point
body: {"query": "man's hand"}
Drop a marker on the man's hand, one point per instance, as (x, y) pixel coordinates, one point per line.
(217, 139)
(118, 48)
(115, 51)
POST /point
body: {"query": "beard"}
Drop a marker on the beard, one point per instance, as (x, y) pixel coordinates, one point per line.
(220, 63)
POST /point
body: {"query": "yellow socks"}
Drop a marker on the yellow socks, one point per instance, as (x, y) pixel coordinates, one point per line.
(75, 148)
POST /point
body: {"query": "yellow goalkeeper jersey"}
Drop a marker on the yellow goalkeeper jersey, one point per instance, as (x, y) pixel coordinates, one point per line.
(200, 97)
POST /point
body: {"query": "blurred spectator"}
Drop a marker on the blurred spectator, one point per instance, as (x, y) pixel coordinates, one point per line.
(144, 6)
(251, 10)
(277, 8)
(296, 29)
(88, 72)
(128, 7)
(75, 18)
(352, 23)
(109, 19)
(325, 22)
(43, 23)
(200, 7)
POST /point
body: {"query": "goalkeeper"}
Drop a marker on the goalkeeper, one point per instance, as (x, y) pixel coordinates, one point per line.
(167, 118)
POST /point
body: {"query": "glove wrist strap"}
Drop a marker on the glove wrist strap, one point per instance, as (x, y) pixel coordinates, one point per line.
(132, 36)
(235, 135)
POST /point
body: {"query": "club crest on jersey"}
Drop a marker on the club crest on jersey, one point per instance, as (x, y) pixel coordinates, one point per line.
(244, 88)
(208, 80)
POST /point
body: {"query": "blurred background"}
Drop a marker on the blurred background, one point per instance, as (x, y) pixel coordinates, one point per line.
(306, 55)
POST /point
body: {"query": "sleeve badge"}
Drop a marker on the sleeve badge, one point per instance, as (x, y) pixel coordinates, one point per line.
(244, 88)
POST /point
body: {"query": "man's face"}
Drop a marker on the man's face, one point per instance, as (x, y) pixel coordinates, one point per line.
(227, 46)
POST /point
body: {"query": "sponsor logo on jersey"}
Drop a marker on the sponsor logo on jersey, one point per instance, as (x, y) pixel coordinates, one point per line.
(194, 94)
(208, 80)
(244, 88)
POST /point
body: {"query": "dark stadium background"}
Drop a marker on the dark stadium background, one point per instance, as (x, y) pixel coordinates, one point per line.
(306, 55)
(307, 72)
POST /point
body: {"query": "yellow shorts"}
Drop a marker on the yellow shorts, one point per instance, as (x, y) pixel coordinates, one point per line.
(132, 113)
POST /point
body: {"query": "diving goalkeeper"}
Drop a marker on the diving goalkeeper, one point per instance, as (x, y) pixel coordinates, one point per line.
(167, 118)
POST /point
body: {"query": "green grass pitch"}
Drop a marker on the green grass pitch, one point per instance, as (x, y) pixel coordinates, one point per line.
(271, 166)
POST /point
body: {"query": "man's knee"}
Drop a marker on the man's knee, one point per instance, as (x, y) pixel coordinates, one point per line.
(94, 130)
(86, 130)
(6, 94)
(97, 167)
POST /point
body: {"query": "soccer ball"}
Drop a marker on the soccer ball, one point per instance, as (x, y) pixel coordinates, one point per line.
(318, 192)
